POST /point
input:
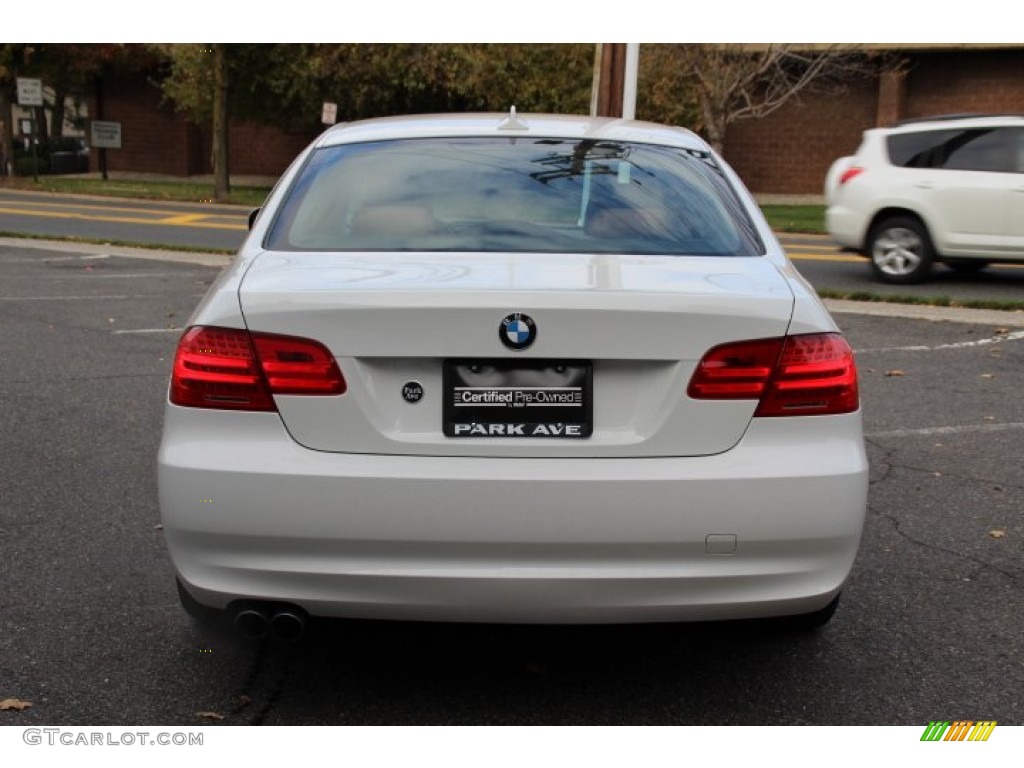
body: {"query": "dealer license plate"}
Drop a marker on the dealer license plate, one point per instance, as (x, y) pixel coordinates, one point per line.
(518, 398)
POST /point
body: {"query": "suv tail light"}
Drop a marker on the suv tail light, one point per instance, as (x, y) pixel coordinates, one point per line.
(808, 375)
(850, 173)
(238, 370)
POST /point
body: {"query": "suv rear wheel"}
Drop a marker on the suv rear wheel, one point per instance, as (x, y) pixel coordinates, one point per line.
(900, 250)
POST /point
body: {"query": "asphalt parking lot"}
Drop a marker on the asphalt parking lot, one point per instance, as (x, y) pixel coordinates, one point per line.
(931, 625)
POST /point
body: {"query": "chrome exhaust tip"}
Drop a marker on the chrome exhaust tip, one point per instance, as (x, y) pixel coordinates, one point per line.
(251, 624)
(287, 626)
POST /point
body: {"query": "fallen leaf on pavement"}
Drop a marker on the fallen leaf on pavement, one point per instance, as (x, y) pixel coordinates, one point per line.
(210, 715)
(1001, 331)
(988, 375)
(895, 372)
(17, 704)
(997, 534)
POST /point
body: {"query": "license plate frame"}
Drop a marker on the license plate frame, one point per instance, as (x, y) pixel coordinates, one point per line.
(524, 398)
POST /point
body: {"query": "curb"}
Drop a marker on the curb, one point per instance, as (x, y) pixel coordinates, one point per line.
(923, 312)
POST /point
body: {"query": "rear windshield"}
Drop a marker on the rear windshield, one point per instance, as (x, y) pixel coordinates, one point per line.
(513, 195)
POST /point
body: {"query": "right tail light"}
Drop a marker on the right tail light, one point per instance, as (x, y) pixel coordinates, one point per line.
(805, 375)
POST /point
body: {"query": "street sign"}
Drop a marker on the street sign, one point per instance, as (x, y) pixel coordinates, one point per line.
(30, 92)
(329, 114)
(105, 134)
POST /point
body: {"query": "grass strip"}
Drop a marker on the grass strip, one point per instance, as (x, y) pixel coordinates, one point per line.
(802, 219)
(928, 301)
(179, 191)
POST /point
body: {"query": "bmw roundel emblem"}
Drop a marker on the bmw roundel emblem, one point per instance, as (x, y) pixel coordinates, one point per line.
(517, 331)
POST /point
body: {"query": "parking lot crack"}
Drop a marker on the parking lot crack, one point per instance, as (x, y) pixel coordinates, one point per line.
(897, 527)
(1001, 484)
(885, 462)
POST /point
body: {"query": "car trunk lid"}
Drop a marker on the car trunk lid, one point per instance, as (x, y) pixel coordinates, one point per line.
(639, 324)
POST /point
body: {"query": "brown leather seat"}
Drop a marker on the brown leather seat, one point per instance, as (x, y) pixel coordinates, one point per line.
(393, 220)
(627, 222)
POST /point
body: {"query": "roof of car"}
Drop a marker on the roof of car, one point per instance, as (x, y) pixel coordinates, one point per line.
(510, 124)
(955, 121)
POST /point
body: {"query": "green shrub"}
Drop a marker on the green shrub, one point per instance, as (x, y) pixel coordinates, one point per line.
(23, 166)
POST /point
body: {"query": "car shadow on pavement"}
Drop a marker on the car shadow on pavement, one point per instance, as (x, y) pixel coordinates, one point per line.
(377, 672)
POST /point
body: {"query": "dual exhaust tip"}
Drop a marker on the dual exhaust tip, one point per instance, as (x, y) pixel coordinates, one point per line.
(257, 623)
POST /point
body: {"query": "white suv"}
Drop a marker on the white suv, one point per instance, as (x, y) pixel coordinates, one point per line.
(947, 189)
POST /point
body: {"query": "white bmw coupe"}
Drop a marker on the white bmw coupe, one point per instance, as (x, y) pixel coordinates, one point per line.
(504, 368)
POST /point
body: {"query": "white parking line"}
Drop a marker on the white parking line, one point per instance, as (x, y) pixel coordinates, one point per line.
(132, 275)
(149, 330)
(86, 257)
(929, 431)
(1015, 336)
(105, 297)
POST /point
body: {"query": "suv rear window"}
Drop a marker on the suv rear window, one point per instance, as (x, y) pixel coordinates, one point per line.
(974, 149)
(513, 195)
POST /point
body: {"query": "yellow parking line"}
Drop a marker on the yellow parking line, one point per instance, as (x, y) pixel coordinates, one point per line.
(185, 218)
(825, 257)
(169, 222)
(106, 208)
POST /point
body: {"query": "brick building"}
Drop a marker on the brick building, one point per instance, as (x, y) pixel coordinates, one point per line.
(157, 139)
(790, 151)
(787, 152)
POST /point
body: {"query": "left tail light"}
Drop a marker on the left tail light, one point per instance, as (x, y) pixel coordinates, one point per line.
(849, 174)
(234, 369)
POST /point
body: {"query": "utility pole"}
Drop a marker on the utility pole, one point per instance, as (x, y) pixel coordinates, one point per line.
(615, 74)
(101, 115)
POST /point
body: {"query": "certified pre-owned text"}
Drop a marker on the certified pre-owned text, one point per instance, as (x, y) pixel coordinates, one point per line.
(572, 396)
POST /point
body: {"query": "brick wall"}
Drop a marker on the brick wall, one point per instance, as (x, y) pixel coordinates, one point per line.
(154, 139)
(790, 150)
(255, 149)
(157, 139)
(967, 82)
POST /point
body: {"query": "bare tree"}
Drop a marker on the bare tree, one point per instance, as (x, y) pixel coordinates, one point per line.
(734, 82)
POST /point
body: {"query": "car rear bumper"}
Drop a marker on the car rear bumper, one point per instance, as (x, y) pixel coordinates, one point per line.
(249, 514)
(846, 226)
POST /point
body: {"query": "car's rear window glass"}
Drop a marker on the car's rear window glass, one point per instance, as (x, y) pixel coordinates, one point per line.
(513, 195)
(975, 149)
